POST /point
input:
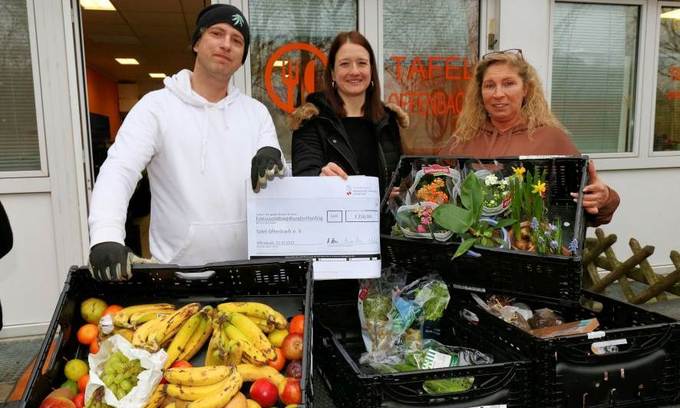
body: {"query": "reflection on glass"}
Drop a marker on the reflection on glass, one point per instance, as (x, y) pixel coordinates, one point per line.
(593, 74)
(19, 148)
(290, 40)
(429, 51)
(667, 118)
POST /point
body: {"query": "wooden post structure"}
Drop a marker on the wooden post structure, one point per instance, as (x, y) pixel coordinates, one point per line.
(599, 254)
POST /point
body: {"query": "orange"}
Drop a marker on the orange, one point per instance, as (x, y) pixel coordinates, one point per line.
(112, 309)
(297, 324)
(87, 333)
(279, 362)
(82, 382)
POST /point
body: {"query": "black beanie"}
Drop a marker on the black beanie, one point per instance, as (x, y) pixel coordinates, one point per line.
(222, 13)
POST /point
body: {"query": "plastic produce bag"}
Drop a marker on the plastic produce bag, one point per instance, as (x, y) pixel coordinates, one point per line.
(434, 355)
(152, 363)
(392, 313)
(375, 310)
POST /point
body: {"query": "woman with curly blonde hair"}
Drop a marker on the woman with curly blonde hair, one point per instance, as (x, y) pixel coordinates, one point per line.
(505, 114)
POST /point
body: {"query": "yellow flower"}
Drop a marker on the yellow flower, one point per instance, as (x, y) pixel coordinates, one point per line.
(519, 171)
(539, 188)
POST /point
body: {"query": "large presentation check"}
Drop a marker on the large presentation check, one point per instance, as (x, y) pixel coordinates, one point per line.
(321, 217)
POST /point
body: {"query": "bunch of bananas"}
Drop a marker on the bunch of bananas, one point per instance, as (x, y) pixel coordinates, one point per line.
(133, 316)
(191, 336)
(264, 316)
(205, 387)
(153, 334)
(239, 334)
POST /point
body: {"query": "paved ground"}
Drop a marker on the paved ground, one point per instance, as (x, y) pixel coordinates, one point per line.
(15, 354)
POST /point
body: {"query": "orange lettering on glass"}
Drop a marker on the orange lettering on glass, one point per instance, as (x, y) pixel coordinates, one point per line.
(291, 74)
(435, 73)
(674, 73)
(673, 95)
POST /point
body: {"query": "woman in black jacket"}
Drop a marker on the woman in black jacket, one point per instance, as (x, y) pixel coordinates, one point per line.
(346, 129)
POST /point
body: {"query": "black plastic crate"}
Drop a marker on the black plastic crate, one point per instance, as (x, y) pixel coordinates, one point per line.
(643, 371)
(280, 283)
(338, 346)
(512, 271)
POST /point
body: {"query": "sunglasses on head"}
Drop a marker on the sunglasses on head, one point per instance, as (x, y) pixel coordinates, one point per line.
(512, 51)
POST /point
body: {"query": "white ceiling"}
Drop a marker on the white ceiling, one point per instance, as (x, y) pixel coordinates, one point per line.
(155, 32)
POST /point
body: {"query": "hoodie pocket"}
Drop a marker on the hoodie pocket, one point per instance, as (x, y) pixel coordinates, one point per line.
(213, 242)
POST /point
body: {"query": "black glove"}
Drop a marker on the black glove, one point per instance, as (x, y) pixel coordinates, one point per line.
(266, 163)
(110, 261)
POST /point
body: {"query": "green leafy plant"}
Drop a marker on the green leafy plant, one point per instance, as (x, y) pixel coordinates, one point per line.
(465, 220)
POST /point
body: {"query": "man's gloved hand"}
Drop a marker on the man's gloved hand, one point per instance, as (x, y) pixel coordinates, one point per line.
(110, 261)
(266, 163)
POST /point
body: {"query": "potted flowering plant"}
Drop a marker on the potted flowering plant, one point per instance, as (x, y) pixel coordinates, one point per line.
(434, 183)
(467, 221)
(535, 233)
(497, 194)
(415, 221)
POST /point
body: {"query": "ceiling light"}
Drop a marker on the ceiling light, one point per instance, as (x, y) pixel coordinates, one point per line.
(127, 61)
(158, 75)
(674, 14)
(102, 5)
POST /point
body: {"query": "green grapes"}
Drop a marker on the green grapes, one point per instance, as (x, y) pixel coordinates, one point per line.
(120, 374)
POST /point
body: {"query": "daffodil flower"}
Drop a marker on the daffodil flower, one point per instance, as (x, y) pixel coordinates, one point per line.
(539, 188)
(519, 171)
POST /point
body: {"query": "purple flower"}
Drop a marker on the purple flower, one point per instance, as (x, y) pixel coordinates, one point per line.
(553, 244)
(534, 223)
(573, 245)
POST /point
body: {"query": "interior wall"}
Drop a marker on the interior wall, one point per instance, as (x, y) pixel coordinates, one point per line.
(102, 98)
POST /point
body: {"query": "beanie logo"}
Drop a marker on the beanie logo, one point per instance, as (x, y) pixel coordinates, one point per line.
(237, 19)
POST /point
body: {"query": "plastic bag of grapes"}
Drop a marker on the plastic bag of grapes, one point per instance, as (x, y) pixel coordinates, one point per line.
(128, 374)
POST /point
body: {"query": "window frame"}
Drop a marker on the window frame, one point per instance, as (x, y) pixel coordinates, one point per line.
(37, 94)
(656, 52)
(642, 155)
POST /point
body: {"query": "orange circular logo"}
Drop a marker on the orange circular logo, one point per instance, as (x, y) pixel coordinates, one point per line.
(292, 75)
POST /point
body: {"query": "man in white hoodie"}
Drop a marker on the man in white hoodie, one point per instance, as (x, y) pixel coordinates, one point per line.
(196, 138)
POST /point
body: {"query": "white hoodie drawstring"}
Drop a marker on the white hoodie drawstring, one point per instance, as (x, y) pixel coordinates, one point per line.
(204, 139)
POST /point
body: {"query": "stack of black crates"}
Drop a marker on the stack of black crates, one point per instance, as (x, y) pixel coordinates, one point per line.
(631, 360)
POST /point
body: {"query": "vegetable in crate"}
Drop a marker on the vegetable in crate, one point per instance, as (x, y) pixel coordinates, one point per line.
(374, 303)
(399, 321)
(436, 355)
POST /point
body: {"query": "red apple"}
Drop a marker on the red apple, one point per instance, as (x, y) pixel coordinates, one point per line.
(292, 346)
(59, 398)
(289, 391)
(264, 392)
(181, 364)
